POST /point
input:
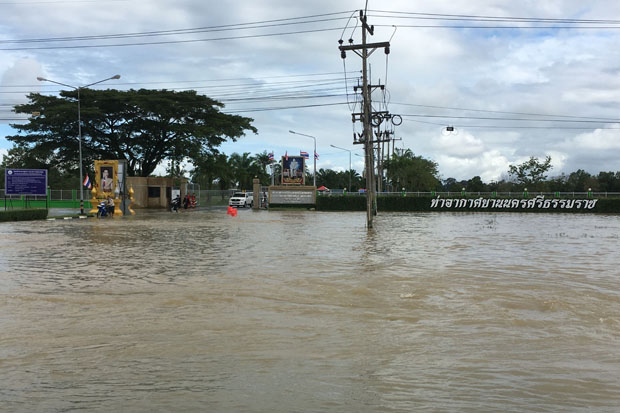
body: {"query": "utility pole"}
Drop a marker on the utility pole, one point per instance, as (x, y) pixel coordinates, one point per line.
(366, 50)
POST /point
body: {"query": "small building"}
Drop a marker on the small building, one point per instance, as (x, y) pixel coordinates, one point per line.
(155, 191)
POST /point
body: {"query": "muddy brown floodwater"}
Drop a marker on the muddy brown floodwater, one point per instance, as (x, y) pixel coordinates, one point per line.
(311, 312)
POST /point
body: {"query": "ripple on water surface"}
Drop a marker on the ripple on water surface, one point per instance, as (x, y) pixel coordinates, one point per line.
(309, 311)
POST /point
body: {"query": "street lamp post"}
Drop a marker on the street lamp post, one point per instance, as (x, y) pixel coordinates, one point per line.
(313, 155)
(337, 147)
(77, 88)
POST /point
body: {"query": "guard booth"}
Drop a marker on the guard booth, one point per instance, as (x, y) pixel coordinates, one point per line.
(155, 191)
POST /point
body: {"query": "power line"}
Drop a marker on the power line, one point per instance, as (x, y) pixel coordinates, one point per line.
(283, 97)
(255, 36)
(319, 18)
(439, 16)
(536, 127)
(206, 29)
(154, 34)
(283, 108)
(514, 126)
(509, 113)
(422, 26)
(253, 79)
(235, 88)
(508, 119)
(24, 3)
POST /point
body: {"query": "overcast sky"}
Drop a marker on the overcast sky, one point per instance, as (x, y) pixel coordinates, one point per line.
(285, 71)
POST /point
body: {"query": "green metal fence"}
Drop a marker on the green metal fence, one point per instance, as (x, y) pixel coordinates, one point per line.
(61, 198)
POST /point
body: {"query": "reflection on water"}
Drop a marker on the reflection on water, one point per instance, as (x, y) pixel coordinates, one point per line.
(306, 311)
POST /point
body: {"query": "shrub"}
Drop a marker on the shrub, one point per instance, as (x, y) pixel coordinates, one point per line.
(341, 203)
(23, 214)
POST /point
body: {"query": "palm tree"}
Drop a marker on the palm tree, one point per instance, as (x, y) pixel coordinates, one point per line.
(259, 166)
(405, 170)
(211, 168)
(328, 178)
(242, 170)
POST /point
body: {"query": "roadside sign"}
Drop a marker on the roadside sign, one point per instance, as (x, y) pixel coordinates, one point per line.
(25, 182)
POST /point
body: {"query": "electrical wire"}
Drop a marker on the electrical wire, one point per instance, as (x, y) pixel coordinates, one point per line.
(511, 113)
(505, 119)
(439, 16)
(204, 29)
(533, 127)
(422, 26)
(347, 25)
(283, 108)
(24, 3)
(253, 79)
(255, 36)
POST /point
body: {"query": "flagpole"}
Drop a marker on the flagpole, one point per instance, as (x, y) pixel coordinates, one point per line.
(272, 168)
(313, 138)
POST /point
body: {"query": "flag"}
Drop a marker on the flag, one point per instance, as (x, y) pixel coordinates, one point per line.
(87, 183)
(316, 155)
(271, 156)
(304, 154)
(286, 155)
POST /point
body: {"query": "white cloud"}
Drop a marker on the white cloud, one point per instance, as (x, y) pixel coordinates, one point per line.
(489, 166)
(458, 144)
(598, 140)
(15, 75)
(558, 161)
(592, 96)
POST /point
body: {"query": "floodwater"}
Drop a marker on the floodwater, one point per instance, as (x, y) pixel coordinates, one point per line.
(294, 311)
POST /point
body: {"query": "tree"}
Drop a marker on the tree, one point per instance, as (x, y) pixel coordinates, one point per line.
(20, 157)
(532, 172)
(581, 180)
(328, 178)
(609, 181)
(144, 127)
(242, 170)
(475, 184)
(356, 180)
(211, 168)
(414, 173)
(259, 165)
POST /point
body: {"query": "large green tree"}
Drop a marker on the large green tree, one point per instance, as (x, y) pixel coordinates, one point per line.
(414, 173)
(144, 127)
(531, 172)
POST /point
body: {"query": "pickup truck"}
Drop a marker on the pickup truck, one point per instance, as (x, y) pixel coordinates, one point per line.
(241, 200)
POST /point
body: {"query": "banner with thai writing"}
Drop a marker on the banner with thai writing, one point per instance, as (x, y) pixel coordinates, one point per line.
(506, 203)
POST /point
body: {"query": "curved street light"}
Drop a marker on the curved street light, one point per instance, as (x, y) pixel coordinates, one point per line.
(338, 147)
(77, 88)
(313, 155)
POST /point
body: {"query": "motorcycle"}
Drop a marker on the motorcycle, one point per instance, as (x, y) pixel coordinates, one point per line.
(102, 211)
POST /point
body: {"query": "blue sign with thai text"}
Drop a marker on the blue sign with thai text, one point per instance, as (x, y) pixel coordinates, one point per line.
(25, 182)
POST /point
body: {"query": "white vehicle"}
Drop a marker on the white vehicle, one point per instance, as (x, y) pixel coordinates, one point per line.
(241, 199)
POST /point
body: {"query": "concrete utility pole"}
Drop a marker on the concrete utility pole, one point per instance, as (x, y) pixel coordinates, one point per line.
(366, 50)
